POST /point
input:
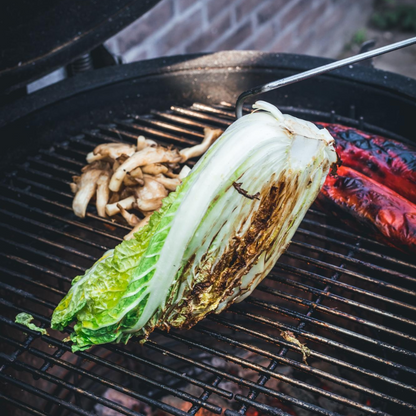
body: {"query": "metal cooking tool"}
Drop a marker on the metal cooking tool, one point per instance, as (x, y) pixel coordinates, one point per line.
(317, 71)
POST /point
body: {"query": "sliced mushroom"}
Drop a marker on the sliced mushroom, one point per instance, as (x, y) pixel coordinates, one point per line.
(151, 189)
(127, 203)
(87, 186)
(142, 142)
(129, 217)
(146, 205)
(74, 184)
(170, 174)
(137, 173)
(111, 150)
(103, 192)
(210, 136)
(115, 197)
(169, 183)
(154, 169)
(126, 192)
(132, 181)
(143, 157)
(137, 227)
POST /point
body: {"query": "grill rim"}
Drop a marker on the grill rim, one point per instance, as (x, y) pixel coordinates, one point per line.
(243, 60)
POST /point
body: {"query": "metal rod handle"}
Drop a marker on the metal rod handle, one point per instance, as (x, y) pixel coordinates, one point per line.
(317, 71)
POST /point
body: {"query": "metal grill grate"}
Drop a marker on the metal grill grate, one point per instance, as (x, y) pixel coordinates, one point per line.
(349, 298)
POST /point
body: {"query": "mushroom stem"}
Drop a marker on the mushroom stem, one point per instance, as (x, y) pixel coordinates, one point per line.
(137, 227)
(210, 136)
(143, 157)
(131, 219)
(127, 203)
(103, 193)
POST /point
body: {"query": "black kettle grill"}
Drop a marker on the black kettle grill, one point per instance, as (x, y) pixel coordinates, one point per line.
(350, 299)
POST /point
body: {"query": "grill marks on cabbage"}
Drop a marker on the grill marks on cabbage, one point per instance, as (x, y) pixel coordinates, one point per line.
(275, 208)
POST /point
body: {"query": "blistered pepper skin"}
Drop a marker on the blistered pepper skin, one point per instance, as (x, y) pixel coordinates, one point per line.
(387, 161)
(360, 201)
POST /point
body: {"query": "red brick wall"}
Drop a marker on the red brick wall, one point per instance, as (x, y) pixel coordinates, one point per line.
(315, 27)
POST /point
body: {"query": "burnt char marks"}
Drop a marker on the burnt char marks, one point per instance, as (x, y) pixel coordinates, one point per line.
(386, 161)
(215, 279)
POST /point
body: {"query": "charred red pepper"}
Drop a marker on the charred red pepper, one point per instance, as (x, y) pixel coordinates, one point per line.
(387, 161)
(361, 201)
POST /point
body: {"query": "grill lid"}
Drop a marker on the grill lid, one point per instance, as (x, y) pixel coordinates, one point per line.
(37, 37)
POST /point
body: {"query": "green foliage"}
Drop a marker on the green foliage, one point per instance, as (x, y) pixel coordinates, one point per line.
(391, 15)
(359, 37)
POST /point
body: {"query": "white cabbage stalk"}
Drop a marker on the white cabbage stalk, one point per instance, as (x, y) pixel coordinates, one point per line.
(213, 240)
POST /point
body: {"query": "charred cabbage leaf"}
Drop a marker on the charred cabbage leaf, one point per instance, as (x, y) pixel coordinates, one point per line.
(213, 240)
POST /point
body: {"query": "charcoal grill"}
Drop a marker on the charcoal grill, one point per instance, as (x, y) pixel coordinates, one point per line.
(350, 299)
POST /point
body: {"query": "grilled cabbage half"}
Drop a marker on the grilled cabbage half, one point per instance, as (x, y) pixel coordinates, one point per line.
(213, 240)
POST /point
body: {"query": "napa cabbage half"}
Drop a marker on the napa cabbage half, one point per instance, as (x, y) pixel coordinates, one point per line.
(213, 240)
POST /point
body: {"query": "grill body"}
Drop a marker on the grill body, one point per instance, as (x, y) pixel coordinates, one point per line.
(349, 298)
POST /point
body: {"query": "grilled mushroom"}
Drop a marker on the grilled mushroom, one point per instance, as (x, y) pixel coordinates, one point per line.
(169, 183)
(143, 157)
(127, 203)
(131, 219)
(103, 192)
(142, 142)
(111, 150)
(149, 205)
(210, 136)
(137, 227)
(154, 169)
(87, 186)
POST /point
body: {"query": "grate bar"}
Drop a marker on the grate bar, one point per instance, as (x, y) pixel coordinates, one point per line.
(326, 341)
(52, 154)
(37, 267)
(22, 405)
(155, 132)
(50, 165)
(332, 311)
(62, 219)
(108, 403)
(49, 397)
(179, 119)
(275, 411)
(169, 126)
(262, 370)
(307, 369)
(354, 261)
(32, 281)
(328, 266)
(314, 353)
(108, 383)
(64, 206)
(326, 325)
(200, 116)
(53, 229)
(355, 289)
(358, 249)
(48, 242)
(237, 380)
(43, 254)
(332, 296)
(204, 396)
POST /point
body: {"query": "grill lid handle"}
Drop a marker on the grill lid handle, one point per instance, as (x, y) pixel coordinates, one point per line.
(317, 71)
